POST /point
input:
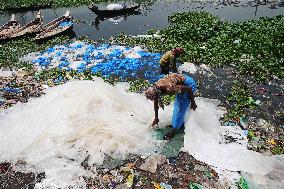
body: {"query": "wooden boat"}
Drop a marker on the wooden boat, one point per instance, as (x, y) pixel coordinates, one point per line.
(56, 27)
(98, 12)
(54, 22)
(34, 26)
(9, 27)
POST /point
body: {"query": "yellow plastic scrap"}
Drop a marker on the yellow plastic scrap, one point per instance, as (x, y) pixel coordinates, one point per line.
(157, 185)
(271, 141)
(129, 180)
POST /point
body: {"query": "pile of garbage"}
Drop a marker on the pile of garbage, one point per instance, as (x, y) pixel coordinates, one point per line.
(19, 88)
(154, 171)
(137, 172)
(109, 60)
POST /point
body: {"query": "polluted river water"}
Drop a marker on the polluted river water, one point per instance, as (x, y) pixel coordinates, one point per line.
(152, 14)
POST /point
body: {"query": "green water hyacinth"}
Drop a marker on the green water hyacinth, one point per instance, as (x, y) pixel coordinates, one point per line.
(254, 47)
(30, 4)
(11, 51)
(241, 100)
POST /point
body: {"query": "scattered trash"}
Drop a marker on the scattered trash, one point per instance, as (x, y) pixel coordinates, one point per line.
(242, 184)
(243, 122)
(193, 185)
(165, 186)
(128, 176)
(121, 186)
(278, 94)
(147, 36)
(257, 102)
(187, 67)
(230, 123)
(16, 88)
(152, 162)
(129, 180)
(245, 132)
(127, 62)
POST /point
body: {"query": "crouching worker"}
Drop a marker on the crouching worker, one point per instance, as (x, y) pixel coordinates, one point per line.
(168, 60)
(181, 85)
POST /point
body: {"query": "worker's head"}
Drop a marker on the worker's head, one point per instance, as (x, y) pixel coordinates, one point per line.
(151, 93)
(178, 51)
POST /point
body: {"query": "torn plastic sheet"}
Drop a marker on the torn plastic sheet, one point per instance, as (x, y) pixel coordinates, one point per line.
(203, 127)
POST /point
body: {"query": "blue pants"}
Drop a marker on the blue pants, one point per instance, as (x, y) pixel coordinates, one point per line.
(182, 103)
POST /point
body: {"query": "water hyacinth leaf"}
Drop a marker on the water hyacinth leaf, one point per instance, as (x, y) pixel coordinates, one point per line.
(222, 42)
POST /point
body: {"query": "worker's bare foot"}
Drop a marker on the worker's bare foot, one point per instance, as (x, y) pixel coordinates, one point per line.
(169, 135)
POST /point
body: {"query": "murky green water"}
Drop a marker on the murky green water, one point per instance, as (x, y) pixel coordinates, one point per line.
(152, 14)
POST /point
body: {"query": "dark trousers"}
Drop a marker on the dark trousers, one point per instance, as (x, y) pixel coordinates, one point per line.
(165, 69)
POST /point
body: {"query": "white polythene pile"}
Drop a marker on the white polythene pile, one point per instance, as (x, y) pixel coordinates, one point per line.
(57, 131)
(204, 139)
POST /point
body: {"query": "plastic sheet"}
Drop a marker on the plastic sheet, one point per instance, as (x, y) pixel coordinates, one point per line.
(110, 60)
(203, 128)
(187, 67)
(66, 24)
(73, 121)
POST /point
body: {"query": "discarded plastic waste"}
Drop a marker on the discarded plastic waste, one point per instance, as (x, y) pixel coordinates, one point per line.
(165, 186)
(242, 184)
(76, 121)
(64, 24)
(233, 156)
(156, 185)
(129, 180)
(152, 162)
(109, 60)
(193, 185)
(11, 90)
(187, 67)
(230, 123)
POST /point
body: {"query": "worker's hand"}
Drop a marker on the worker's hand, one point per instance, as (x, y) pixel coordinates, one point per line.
(155, 123)
(193, 105)
(174, 70)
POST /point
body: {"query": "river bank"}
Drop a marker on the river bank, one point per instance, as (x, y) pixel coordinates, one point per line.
(250, 86)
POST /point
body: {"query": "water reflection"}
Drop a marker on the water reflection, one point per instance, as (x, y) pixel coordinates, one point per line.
(153, 14)
(115, 19)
